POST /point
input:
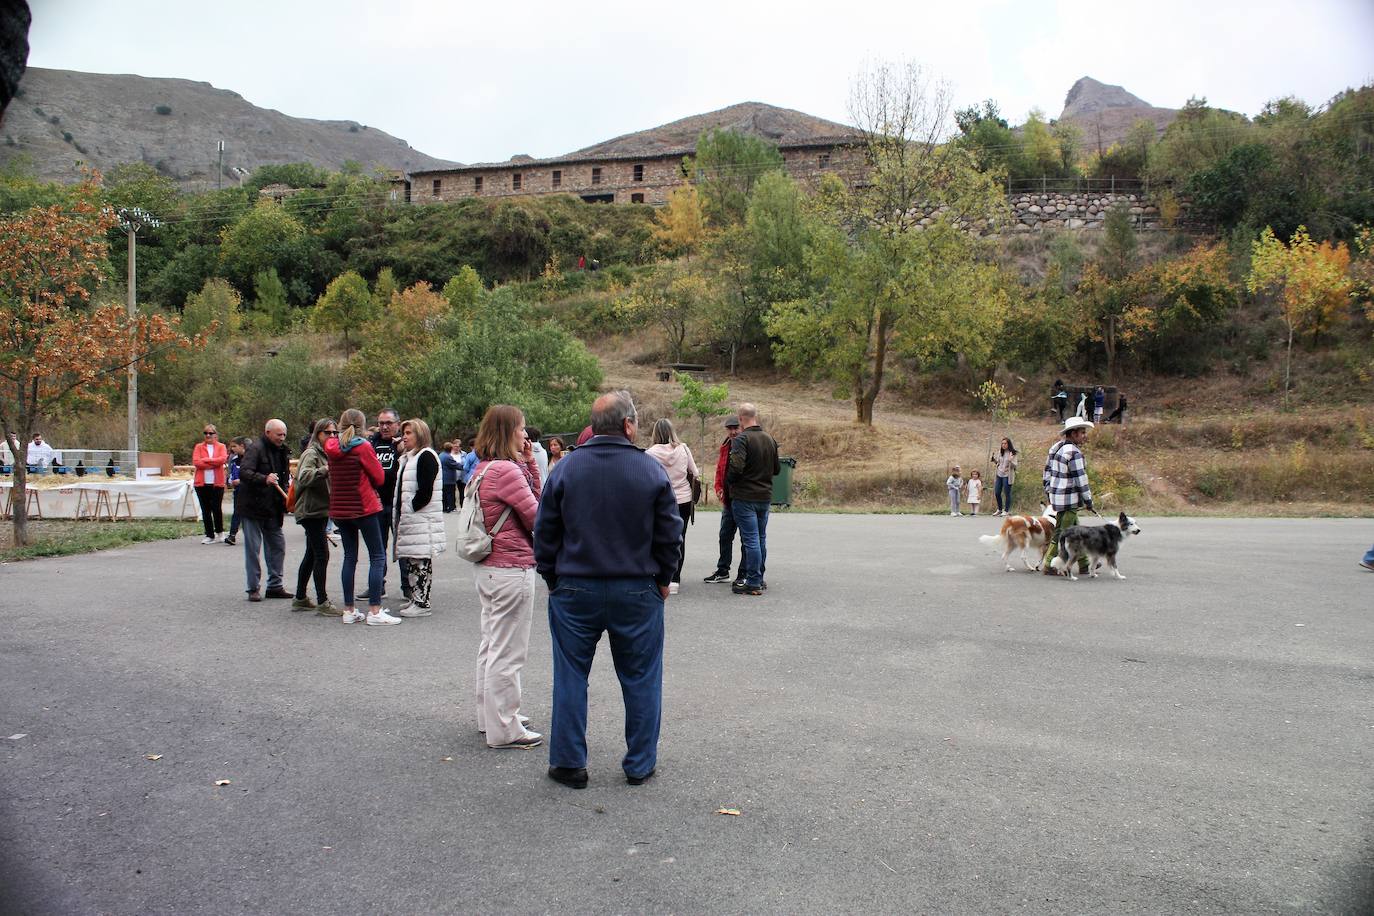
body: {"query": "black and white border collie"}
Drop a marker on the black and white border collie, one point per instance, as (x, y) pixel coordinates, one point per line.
(1099, 543)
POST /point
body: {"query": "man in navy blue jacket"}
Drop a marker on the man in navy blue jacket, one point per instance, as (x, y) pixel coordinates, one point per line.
(606, 541)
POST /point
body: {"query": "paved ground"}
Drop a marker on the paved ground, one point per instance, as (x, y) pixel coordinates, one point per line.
(903, 726)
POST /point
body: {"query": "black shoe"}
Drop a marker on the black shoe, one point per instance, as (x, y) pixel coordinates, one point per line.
(255, 596)
(229, 541)
(639, 780)
(278, 593)
(572, 777)
(763, 585)
(738, 583)
(718, 576)
(740, 588)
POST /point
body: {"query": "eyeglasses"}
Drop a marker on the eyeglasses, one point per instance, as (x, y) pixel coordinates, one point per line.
(386, 422)
(211, 432)
(331, 432)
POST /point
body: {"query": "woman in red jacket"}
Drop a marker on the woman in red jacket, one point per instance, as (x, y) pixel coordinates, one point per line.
(354, 475)
(211, 459)
(505, 579)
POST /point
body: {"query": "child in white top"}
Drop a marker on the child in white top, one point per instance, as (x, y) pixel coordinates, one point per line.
(955, 484)
(975, 491)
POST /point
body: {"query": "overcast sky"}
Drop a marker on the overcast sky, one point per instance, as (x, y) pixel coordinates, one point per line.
(482, 81)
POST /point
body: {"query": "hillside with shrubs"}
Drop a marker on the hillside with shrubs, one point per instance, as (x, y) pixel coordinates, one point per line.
(1260, 303)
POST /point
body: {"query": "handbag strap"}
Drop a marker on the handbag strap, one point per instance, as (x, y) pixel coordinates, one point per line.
(476, 486)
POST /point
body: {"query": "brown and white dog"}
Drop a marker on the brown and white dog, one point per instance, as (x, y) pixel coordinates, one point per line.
(1023, 532)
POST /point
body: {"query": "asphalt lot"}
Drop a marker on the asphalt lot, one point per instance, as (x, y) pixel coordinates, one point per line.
(902, 725)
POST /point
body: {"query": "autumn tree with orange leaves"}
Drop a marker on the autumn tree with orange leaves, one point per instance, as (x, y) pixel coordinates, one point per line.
(58, 350)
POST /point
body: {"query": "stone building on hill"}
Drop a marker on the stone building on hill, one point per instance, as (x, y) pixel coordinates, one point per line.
(644, 167)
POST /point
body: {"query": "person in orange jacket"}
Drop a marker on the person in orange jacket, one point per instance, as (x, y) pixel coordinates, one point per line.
(210, 459)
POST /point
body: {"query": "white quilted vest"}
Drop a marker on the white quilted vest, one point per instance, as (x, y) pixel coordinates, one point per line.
(419, 535)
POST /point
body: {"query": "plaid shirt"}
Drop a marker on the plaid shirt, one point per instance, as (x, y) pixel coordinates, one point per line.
(1066, 477)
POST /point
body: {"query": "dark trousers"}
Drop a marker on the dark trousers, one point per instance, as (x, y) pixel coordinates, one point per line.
(369, 527)
(752, 518)
(728, 530)
(1003, 486)
(684, 510)
(385, 520)
(450, 497)
(211, 501)
(630, 612)
(316, 559)
(234, 519)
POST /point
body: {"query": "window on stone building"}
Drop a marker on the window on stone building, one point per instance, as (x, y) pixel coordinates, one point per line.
(639, 174)
(596, 175)
(438, 186)
(515, 181)
(477, 184)
(557, 178)
(636, 198)
(823, 161)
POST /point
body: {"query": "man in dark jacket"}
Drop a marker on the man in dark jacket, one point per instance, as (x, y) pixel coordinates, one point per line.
(264, 473)
(384, 444)
(606, 541)
(728, 528)
(753, 465)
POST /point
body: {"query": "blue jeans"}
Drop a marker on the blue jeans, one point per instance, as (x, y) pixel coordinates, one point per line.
(751, 516)
(1003, 485)
(369, 526)
(630, 611)
(1369, 556)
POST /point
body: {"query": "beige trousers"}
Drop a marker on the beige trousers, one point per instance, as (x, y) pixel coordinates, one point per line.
(507, 596)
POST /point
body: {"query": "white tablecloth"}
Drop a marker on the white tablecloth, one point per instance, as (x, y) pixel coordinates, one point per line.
(147, 498)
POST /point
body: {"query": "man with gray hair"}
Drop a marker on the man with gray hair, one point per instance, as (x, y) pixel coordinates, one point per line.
(264, 473)
(753, 465)
(606, 541)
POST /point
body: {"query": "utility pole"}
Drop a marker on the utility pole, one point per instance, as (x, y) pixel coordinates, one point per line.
(131, 220)
(219, 175)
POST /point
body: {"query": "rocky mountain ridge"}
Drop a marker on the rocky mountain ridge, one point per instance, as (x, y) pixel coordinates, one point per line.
(64, 119)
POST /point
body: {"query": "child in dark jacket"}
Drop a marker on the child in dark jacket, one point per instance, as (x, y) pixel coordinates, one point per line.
(236, 447)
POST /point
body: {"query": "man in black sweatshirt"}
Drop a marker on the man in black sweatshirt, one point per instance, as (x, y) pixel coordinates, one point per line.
(753, 465)
(384, 444)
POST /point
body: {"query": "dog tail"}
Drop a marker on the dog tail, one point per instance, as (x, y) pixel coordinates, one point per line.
(993, 540)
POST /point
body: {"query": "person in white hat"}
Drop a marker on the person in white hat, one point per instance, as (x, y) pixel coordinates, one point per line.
(1066, 485)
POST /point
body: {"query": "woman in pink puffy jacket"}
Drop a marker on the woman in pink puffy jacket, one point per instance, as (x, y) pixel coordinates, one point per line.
(676, 459)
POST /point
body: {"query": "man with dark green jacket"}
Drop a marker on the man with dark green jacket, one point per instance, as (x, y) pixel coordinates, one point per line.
(753, 465)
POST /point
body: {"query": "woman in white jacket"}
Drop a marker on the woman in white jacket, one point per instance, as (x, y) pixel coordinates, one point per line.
(676, 459)
(419, 532)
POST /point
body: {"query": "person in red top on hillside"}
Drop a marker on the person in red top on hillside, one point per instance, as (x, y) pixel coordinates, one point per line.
(728, 529)
(354, 475)
(211, 459)
(510, 486)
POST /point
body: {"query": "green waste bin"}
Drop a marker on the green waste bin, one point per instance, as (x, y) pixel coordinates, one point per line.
(782, 482)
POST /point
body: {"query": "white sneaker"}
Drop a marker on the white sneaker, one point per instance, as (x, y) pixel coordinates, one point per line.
(954, 515)
(207, 540)
(414, 610)
(381, 619)
(352, 617)
(672, 588)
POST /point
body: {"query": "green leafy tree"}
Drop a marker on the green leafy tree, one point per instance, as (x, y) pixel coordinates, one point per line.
(1196, 139)
(701, 402)
(1118, 253)
(885, 283)
(501, 356)
(385, 289)
(265, 237)
(269, 299)
(464, 290)
(987, 137)
(725, 167)
(291, 174)
(396, 339)
(671, 299)
(346, 306)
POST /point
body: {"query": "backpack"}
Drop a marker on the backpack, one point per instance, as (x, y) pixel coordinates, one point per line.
(474, 543)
